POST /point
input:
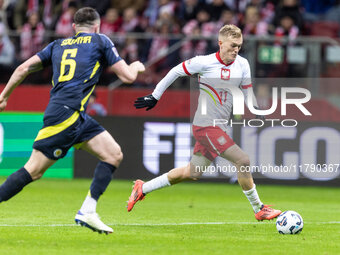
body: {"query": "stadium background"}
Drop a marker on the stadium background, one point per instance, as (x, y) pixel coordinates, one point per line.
(286, 42)
(289, 38)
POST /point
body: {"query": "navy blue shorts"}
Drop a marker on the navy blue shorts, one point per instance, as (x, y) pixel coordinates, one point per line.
(64, 128)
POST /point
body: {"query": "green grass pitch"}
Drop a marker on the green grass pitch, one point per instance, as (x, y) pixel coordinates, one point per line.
(189, 218)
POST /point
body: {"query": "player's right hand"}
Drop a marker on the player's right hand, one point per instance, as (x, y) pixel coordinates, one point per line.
(147, 101)
(3, 104)
(139, 66)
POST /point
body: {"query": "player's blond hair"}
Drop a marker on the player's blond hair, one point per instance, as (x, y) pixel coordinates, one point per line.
(230, 30)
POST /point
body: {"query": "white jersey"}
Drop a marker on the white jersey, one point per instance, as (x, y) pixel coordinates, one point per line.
(215, 79)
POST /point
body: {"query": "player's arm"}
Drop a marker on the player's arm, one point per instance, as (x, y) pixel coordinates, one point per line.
(186, 68)
(31, 65)
(151, 100)
(250, 99)
(249, 96)
(127, 73)
(247, 89)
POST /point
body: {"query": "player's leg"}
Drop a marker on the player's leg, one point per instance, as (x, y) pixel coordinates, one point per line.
(140, 188)
(174, 176)
(107, 150)
(190, 172)
(202, 157)
(241, 160)
(35, 167)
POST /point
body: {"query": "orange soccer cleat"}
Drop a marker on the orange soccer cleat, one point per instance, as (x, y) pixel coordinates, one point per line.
(136, 194)
(267, 213)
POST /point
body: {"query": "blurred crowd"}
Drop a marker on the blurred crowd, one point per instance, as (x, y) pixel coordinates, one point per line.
(32, 24)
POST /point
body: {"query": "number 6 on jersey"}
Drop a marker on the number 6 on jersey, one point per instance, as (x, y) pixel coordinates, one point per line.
(67, 62)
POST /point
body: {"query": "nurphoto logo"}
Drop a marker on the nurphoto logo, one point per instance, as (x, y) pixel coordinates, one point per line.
(238, 106)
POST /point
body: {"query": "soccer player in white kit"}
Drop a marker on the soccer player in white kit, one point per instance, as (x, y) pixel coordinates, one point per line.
(216, 72)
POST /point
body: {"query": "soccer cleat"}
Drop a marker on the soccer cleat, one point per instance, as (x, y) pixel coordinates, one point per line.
(92, 221)
(136, 194)
(267, 213)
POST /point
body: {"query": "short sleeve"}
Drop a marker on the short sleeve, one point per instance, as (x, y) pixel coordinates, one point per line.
(46, 54)
(193, 65)
(246, 75)
(110, 52)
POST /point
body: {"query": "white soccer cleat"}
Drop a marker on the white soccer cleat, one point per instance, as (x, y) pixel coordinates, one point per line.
(92, 221)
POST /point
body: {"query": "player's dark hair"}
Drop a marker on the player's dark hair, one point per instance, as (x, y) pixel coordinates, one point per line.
(86, 16)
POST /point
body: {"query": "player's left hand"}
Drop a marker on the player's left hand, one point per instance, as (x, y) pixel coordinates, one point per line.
(147, 101)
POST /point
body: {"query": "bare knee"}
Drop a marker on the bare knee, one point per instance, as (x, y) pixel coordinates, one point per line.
(195, 172)
(198, 166)
(243, 162)
(179, 174)
(244, 175)
(37, 164)
(190, 172)
(36, 176)
(114, 157)
(34, 171)
(118, 156)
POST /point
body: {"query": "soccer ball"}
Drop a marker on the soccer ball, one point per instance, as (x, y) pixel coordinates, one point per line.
(289, 222)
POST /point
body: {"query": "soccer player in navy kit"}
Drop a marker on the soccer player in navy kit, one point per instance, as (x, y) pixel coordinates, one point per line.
(77, 63)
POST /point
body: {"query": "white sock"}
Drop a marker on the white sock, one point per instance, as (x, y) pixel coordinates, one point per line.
(89, 205)
(254, 199)
(156, 183)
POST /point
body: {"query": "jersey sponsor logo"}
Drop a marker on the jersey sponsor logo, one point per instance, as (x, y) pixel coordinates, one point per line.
(225, 74)
(78, 40)
(57, 153)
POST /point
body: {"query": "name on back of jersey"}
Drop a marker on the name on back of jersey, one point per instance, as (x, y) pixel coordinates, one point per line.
(78, 40)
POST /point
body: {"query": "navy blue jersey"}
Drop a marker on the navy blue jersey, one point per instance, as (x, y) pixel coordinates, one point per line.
(77, 63)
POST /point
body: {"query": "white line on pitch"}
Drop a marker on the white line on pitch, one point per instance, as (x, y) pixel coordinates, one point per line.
(162, 224)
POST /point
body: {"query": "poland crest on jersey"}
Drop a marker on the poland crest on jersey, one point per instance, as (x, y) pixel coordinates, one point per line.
(225, 74)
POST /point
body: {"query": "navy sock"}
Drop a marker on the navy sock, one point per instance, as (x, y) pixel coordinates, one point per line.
(14, 184)
(102, 178)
